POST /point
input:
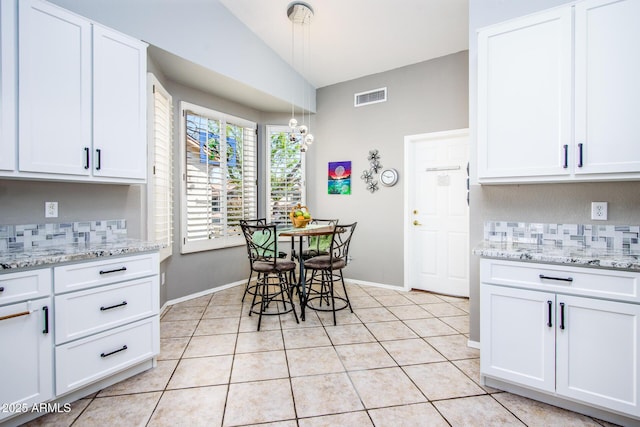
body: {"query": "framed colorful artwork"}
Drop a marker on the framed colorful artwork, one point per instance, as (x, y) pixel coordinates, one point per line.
(339, 178)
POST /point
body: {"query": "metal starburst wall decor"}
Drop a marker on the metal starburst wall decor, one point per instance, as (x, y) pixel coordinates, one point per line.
(374, 167)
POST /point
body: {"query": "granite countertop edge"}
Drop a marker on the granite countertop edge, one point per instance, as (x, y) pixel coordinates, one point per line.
(599, 258)
(19, 259)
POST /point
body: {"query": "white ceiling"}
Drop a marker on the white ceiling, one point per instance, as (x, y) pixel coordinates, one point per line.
(349, 39)
(355, 38)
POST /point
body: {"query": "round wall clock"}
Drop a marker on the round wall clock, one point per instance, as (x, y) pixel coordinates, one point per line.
(389, 177)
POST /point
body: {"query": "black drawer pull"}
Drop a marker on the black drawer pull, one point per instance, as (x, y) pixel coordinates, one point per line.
(562, 279)
(46, 319)
(550, 305)
(566, 156)
(113, 271)
(124, 347)
(561, 315)
(99, 162)
(1, 288)
(122, 304)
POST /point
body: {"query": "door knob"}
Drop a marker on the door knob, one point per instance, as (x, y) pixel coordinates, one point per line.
(416, 222)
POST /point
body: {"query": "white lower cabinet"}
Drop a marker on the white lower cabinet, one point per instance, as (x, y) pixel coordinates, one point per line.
(26, 358)
(598, 353)
(517, 343)
(107, 317)
(90, 359)
(553, 340)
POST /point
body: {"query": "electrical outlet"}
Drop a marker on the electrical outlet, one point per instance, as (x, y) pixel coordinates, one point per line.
(599, 211)
(51, 209)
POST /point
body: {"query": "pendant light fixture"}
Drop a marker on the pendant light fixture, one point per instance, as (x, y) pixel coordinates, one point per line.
(300, 15)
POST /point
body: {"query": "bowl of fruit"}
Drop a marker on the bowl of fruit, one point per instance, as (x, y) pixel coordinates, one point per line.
(300, 216)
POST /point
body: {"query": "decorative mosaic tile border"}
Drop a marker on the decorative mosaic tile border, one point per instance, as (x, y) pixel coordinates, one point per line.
(586, 236)
(38, 236)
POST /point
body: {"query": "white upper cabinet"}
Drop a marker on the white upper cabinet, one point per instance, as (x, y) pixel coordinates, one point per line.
(558, 93)
(607, 83)
(524, 109)
(119, 105)
(55, 90)
(81, 98)
(8, 101)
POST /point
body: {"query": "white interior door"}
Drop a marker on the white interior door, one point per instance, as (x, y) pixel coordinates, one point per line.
(437, 217)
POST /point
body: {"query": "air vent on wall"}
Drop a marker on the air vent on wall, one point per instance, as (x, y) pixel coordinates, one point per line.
(370, 97)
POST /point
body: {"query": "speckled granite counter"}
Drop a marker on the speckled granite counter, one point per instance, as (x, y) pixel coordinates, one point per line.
(10, 260)
(574, 256)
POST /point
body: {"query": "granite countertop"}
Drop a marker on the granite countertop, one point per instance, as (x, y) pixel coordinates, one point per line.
(11, 259)
(577, 257)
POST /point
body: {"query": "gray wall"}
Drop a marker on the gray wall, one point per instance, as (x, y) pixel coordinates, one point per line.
(22, 202)
(548, 203)
(426, 97)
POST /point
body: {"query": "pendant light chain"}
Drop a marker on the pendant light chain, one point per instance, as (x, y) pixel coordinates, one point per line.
(301, 13)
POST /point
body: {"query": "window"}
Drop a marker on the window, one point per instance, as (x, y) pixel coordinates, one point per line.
(286, 177)
(219, 174)
(159, 188)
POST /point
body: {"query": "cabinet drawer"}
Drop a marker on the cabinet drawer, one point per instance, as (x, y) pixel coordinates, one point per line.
(82, 313)
(26, 285)
(74, 277)
(609, 284)
(90, 359)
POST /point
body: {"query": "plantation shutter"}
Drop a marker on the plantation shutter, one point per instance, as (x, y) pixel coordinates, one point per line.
(160, 193)
(220, 178)
(286, 178)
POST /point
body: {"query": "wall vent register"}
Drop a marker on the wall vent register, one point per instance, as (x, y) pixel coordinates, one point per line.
(370, 97)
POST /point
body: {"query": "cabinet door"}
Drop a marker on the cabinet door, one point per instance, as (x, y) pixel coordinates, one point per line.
(517, 333)
(8, 101)
(598, 352)
(54, 90)
(119, 110)
(27, 356)
(524, 97)
(607, 86)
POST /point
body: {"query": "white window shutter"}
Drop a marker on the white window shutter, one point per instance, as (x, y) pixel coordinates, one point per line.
(160, 194)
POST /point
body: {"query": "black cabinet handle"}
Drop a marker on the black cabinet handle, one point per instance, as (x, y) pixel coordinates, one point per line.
(1, 288)
(124, 347)
(561, 315)
(550, 306)
(562, 279)
(122, 304)
(580, 155)
(46, 319)
(86, 157)
(566, 156)
(113, 271)
(99, 162)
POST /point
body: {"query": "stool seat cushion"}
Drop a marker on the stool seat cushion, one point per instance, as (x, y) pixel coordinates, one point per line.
(323, 262)
(268, 267)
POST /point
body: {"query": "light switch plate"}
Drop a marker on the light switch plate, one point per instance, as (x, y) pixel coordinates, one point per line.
(599, 211)
(51, 209)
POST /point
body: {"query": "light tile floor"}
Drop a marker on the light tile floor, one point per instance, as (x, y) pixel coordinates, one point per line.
(401, 359)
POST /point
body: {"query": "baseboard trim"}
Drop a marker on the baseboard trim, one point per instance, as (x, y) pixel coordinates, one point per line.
(374, 284)
(473, 344)
(201, 294)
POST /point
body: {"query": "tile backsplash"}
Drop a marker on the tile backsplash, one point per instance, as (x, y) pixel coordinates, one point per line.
(622, 238)
(37, 236)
